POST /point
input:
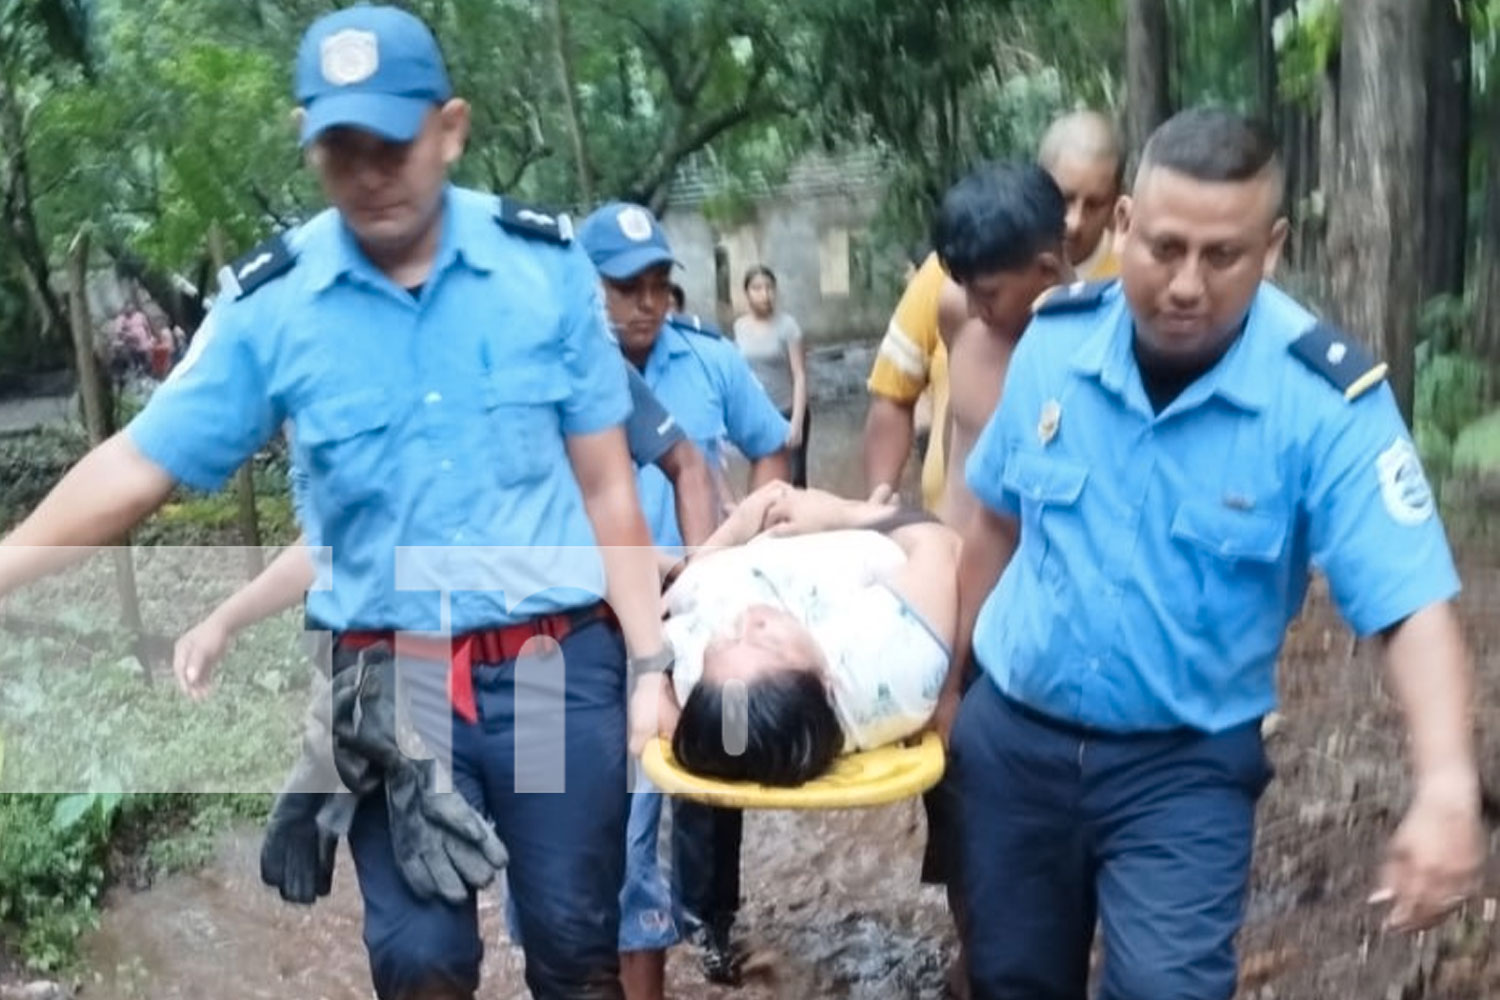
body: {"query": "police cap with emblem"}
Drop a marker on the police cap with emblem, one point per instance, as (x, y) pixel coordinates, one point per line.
(372, 68)
(623, 240)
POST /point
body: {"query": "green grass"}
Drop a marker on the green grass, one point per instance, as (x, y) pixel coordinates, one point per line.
(78, 729)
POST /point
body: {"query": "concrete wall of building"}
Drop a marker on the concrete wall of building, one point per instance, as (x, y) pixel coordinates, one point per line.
(815, 234)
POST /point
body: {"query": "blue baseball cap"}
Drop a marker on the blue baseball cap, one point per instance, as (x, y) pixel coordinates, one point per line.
(623, 240)
(373, 68)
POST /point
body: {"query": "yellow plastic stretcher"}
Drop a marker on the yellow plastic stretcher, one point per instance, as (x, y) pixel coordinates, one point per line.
(870, 778)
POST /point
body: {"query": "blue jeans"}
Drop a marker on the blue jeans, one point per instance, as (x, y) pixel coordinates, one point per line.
(559, 806)
(650, 919)
(1150, 835)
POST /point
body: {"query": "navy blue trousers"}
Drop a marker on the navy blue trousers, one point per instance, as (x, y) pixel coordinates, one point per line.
(1148, 837)
(559, 807)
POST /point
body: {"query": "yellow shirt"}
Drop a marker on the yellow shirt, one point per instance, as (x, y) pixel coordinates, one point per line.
(912, 355)
(911, 358)
(1102, 263)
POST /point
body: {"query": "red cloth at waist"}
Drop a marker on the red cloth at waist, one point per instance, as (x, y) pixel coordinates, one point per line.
(487, 646)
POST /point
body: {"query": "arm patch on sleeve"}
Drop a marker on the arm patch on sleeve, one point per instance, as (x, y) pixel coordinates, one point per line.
(1341, 360)
(261, 266)
(1077, 297)
(535, 223)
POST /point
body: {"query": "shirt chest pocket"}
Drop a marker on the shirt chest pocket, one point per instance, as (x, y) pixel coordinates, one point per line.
(522, 426)
(1048, 490)
(346, 442)
(1236, 559)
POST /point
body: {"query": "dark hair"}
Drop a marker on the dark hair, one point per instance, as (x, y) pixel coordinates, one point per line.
(679, 297)
(760, 271)
(791, 732)
(998, 219)
(916, 253)
(1211, 144)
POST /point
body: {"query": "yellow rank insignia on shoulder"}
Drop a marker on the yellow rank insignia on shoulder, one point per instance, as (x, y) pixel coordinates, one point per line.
(1078, 296)
(1340, 359)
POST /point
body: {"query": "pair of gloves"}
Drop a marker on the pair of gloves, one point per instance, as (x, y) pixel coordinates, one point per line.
(443, 847)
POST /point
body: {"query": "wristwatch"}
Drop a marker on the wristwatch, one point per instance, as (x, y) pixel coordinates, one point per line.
(659, 662)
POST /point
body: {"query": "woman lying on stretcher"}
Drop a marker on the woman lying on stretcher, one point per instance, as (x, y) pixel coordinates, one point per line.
(807, 627)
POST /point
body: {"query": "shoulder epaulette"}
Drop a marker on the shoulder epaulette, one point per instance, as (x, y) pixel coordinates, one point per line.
(691, 323)
(1078, 296)
(1340, 359)
(535, 223)
(264, 264)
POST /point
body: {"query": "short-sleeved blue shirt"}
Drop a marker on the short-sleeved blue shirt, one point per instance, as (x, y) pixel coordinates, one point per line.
(421, 423)
(1162, 556)
(707, 386)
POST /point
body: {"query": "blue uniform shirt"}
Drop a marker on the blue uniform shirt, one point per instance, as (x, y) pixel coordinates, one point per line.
(426, 422)
(1162, 557)
(706, 385)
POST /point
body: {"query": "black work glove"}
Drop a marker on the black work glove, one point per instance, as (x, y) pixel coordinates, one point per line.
(308, 818)
(365, 740)
(297, 856)
(442, 846)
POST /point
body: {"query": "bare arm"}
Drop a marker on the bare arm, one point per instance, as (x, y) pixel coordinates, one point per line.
(692, 491)
(601, 463)
(889, 430)
(1436, 855)
(976, 375)
(772, 468)
(796, 352)
(111, 490)
(926, 579)
(606, 478)
(279, 586)
(989, 541)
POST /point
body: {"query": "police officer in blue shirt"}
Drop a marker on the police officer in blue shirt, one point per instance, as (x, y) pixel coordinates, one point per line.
(707, 386)
(442, 356)
(1170, 456)
(652, 434)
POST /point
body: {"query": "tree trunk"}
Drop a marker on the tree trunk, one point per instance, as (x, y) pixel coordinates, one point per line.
(1446, 195)
(1376, 233)
(1487, 261)
(562, 52)
(1147, 54)
(98, 407)
(20, 214)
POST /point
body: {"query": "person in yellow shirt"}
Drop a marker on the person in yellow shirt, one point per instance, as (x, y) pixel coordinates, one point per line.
(911, 358)
(1082, 152)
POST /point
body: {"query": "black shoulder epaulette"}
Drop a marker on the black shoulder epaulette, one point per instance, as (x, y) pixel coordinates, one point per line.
(1078, 296)
(260, 266)
(1340, 359)
(535, 223)
(691, 323)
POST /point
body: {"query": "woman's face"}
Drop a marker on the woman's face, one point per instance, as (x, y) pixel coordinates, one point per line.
(761, 293)
(761, 640)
